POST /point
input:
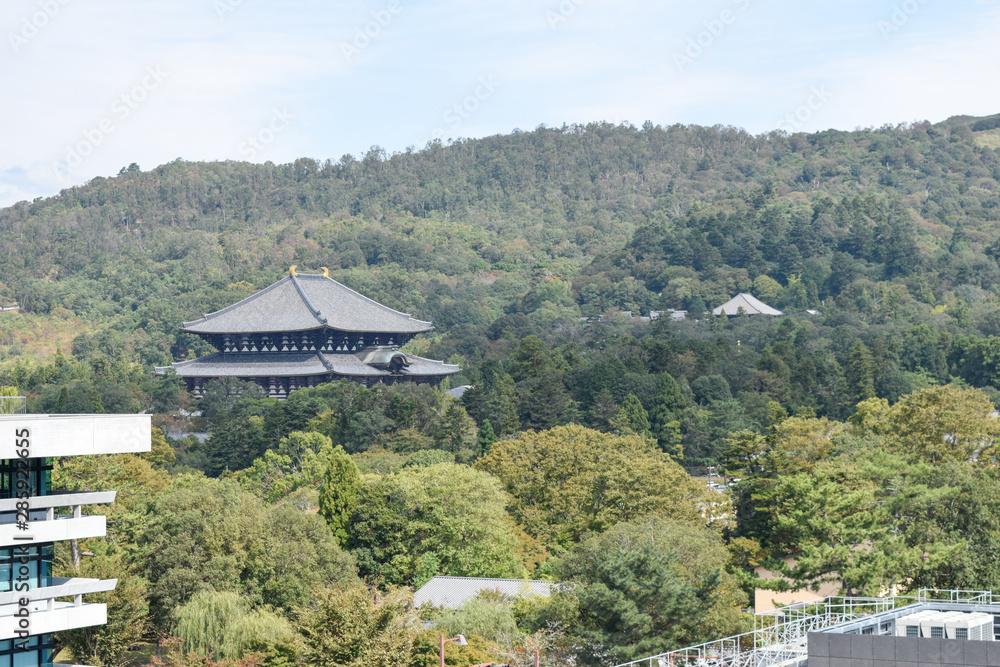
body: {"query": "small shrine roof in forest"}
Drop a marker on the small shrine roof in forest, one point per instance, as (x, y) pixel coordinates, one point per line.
(301, 302)
(750, 305)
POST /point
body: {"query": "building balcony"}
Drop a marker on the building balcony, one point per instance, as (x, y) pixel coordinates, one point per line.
(44, 525)
(73, 435)
(53, 499)
(54, 528)
(49, 615)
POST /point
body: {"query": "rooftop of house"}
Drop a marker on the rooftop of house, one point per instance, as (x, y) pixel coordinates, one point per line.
(453, 592)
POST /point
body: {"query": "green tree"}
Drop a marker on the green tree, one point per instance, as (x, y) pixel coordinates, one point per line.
(108, 645)
(447, 509)
(223, 625)
(489, 618)
(946, 423)
(546, 403)
(645, 587)
(455, 432)
(486, 437)
(205, 534)
(664, 417)
(631, 418)
(357, 627)
(494, 397)
(339, 492)
(860, 372)
(858, 523)
(570, 480)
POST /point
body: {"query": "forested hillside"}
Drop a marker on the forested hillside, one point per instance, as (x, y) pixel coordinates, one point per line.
(891, 234)
(539, 257)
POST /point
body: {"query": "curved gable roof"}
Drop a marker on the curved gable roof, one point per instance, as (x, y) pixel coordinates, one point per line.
(750, 305)
(304, 302)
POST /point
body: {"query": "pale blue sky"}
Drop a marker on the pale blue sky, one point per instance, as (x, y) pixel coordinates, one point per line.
(90, 86)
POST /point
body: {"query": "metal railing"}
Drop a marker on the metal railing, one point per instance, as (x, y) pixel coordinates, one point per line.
(780, 636)
(13, 405)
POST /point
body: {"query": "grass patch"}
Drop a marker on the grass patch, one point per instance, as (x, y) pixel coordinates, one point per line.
(138, 657)
(988, 138)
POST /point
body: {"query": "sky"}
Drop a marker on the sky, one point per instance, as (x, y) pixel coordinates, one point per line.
(91, 86)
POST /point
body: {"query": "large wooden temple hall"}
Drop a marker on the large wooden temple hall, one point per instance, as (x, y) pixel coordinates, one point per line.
(304, 330)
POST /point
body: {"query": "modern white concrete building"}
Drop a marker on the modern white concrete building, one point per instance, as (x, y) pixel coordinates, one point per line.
(34, 516)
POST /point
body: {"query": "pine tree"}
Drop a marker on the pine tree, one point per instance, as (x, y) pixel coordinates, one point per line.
(603, 411)
(665, 423)
(339, 493)
(860, 372)
(547, 403)
(455, 431)
(631, 418)
(494, 397)
(96, 404)
(486, 437)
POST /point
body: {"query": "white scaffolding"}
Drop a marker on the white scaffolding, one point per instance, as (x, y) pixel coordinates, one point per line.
(779, 637)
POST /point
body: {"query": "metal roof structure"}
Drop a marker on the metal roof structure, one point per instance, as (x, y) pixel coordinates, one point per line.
(453, 592)
(750, 304)
(781, 636)
(303, 302)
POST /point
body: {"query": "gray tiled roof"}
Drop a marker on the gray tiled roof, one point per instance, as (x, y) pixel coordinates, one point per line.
(273, 365)
(453, 592)
(421, 366)
(750, 305)
(305, 302)
(251, 365)
(245, 364)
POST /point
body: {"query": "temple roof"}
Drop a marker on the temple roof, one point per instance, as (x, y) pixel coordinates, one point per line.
(243, 364)
(303, 302)
(750, 305)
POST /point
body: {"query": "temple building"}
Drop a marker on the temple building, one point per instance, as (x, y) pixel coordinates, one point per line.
(304, 330)
(748, 304)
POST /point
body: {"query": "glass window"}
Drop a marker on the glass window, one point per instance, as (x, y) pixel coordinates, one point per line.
(39, 566)
(39, 476)
(39, 652)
